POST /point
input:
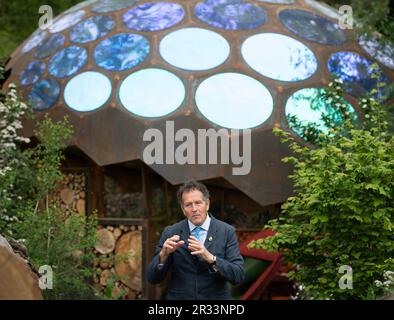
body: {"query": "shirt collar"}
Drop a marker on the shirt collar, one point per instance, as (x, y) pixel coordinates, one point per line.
(205, 225)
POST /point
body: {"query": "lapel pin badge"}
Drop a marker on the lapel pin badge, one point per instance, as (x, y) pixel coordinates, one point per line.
(210, 239)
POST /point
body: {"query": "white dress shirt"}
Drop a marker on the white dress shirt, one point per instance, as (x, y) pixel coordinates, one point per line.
(204, 226)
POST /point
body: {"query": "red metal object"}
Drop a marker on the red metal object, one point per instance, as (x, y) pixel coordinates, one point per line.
(262, 282)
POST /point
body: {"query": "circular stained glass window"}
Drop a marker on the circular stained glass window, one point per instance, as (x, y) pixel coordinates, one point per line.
(324, 9)
(230, 14)
(44, 94)
(355, 71)
(194, 49)
(92, 29)
(32, 73)
(66, 21)
(50, 46)
(87, 91)
(278, 1)
(234, 100)
(112, 5)
(121, 52)
(153, 16)
(383, 53)
(309, 106)
(80, 5)
(279, 57)
(152, 92)
(312, 27)
(34, 40)
(68, 61)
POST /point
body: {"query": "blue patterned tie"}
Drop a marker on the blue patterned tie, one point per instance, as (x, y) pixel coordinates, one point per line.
(196, 233)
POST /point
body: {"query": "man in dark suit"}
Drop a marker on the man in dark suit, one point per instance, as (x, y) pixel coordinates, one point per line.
(201, 252)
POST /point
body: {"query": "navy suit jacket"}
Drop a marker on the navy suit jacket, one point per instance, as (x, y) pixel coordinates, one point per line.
(193, 278)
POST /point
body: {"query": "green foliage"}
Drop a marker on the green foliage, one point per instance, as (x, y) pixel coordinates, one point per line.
(47, 155)
(111, 291)
(13, 161)
(371, 16)
(27, 177)
(65, 243)
(19, 19)
(343, 210)
(375, 17)
(385, 283)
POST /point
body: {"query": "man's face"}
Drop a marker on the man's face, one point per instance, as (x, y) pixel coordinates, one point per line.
(195, 208)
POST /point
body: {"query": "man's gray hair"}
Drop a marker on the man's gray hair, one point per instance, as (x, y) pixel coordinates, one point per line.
(191, 186)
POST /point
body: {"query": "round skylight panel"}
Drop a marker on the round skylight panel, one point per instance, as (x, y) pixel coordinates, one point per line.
(279, 57)
(152, 92)
(194, 49)
(234, 100)
(87, 91)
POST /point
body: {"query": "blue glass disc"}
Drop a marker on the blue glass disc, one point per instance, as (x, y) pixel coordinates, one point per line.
(44, 94)
(309, 105)
(279, 57)
(153, 16)
(80, 5)
(121, 52)
(383, 53)
(103, 6)
(50, 46)
(230, 14)
(68, 61)
(324, 9)
(66, 21)
(278, 1)
(355, 71)
(32, 73)
(91, 29)
(312, 27)
(35, 39)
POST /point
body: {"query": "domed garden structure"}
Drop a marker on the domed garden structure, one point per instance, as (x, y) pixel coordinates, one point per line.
(119, 68)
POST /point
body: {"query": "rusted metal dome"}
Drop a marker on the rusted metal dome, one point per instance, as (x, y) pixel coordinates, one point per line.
(118, 68)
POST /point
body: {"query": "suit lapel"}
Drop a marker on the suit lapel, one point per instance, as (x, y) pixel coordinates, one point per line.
(184, 231)
(212, 232)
